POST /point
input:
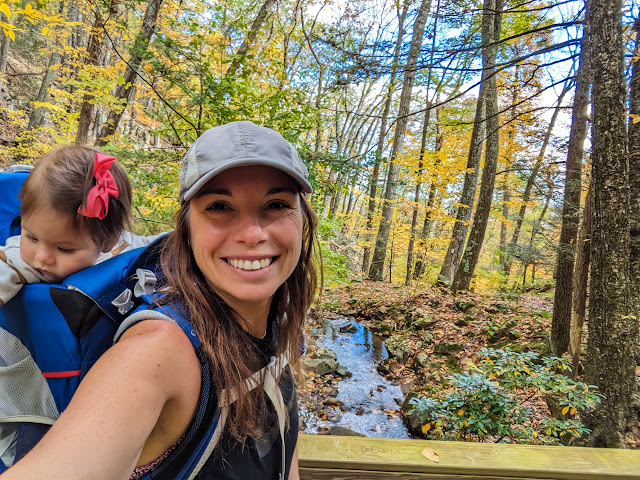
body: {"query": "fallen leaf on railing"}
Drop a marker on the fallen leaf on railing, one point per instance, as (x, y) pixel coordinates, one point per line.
(431, 454)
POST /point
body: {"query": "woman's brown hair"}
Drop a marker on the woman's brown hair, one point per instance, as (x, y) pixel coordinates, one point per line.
(232, 354)
(62, 179)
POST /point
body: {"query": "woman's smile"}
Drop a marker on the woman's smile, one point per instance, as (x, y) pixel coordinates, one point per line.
(250, 265)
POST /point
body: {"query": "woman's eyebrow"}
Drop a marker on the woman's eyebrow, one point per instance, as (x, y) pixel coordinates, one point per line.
(276, 190)
(215, 191)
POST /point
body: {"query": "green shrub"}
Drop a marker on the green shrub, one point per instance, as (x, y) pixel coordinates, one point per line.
(484, 403)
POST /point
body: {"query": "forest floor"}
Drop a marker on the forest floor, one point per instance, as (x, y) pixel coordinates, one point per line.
(470, 321)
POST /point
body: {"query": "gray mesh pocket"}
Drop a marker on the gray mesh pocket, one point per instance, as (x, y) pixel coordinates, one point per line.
(24, 393)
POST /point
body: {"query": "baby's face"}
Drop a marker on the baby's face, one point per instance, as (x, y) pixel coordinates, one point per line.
(50, 244)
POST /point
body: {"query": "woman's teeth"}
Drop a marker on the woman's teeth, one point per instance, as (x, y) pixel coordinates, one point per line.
(250, 264)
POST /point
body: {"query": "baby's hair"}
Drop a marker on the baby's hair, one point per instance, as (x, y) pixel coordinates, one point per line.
(62, 179)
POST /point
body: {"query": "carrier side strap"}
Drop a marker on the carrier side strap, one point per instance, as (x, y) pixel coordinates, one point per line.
(141, 315)
(267, 377)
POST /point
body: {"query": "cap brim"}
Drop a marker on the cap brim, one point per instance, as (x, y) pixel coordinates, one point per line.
(303, 183)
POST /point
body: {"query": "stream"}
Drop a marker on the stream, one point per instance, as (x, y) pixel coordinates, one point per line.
(370, 401)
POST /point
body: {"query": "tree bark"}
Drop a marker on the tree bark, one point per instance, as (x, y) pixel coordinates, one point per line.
(37, 114)
(125, 90)
(580, 282)
(382, 239)
(375, 174)
(491, 21)
(4, 53)
(561, 321)
(468, 195)
(426, 224)
(506, 198)
(94, 51)
(634, 176)
(613, 327)
(416, 197)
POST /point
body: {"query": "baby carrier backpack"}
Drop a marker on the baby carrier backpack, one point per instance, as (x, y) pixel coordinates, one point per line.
(51, 335)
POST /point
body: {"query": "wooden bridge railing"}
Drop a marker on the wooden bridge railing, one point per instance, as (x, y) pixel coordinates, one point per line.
(324, 457)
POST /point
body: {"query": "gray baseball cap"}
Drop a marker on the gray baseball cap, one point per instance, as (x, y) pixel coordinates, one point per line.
(238, 144)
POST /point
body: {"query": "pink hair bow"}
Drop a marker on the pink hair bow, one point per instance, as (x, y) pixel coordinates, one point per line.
(97, 203)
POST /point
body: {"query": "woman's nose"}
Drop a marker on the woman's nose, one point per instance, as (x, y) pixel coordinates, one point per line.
(251, 231)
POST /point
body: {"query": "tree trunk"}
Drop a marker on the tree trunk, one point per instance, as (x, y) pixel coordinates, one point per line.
(373, 181)
(4, 53)
(416, 197)
(532, 177)
(634, 177)
(94, 51)
(561, 321)
(506, 198)
(491, 21)
(426, 225)
(580, 282)
(125, 90)
(613, 327)
(382, 239)
(37, 114)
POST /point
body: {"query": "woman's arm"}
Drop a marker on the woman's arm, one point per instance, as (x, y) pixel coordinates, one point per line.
(294, 473)
(139, 396)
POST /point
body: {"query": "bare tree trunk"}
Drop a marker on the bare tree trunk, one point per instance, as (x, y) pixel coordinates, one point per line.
(375, 174)
(426, 224)
(491, 21)
(561, 321)
(580, 282)
(534, 173)
(613, 327)
(4, 53)
(506, 198)
(93, 57)
(416, 197)
(382, 239)
(634, 176)
(125, 90)
(37, 114)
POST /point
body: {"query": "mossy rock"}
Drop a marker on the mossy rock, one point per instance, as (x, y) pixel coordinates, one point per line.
(424, 323)
(448, 348)
(461, 322)
(453, 364)
(427, 338)
(398, 347)
(385, 367)
(463, 305)
(504, 331)
(411, 418)
(383, 327)
(498, 307)
(541, 348)
(319, 366)
(422, 361)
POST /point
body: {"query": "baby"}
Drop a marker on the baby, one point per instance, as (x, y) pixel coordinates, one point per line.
(76, 204)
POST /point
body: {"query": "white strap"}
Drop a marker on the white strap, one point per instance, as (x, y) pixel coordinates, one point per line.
(28, 419)
(146, 282)
(268, 375)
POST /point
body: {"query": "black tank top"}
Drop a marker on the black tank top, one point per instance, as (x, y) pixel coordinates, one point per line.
(255, 459)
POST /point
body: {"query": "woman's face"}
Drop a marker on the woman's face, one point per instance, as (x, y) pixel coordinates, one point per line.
(246, 234)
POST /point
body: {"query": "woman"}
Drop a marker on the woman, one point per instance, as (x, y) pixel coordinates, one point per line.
(239, 267)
